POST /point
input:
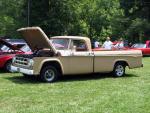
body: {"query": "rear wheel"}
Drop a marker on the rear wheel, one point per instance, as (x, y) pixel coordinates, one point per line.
(49, 74)
(8, 66)
(119, 70)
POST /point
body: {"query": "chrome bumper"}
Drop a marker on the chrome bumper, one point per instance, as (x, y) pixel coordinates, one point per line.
(21, 70)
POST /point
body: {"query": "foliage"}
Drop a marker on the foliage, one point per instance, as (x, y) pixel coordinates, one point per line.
(137, 12)
(10, 17)
(101, 16)
(76, 17)
(137, 29)
(56, 18)
(96, 19)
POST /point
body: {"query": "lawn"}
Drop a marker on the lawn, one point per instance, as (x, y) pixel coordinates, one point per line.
(78, 94)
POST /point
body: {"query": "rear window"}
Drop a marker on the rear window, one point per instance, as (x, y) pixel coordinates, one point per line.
(80, 45)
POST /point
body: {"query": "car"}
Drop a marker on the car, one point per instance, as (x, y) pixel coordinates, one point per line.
(69, 55)
(145, 48)
(9, 48)
(8, 44)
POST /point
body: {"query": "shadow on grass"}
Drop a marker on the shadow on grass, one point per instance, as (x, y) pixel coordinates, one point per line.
(3, 71)
(23, 80)
(91, 77)
(72, 78)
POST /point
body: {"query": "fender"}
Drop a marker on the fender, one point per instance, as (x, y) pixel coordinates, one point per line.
(51, 60)
(4, 59)
(120, 60)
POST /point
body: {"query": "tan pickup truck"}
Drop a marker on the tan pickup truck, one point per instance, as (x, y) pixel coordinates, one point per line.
(67, 55)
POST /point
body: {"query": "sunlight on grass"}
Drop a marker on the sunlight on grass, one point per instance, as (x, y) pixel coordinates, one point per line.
(86, 94)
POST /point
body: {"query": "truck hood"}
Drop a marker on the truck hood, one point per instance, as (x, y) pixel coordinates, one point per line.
(36, 38)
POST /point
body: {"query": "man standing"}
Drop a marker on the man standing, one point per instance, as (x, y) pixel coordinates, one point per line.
(107, 44)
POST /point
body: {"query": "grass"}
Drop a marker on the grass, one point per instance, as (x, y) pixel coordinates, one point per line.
(78, 94)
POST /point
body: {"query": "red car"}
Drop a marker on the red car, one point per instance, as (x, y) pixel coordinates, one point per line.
(9, 50)
(145, 48)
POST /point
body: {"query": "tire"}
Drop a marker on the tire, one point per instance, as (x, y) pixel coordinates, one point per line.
(49, 74)
(8, 66)
(119, 70)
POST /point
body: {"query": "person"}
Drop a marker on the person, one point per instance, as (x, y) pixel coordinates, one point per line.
(120, 44)
(96, 44)
(107, 44)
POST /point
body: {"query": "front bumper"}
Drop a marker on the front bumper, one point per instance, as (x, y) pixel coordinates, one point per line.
(22, 70)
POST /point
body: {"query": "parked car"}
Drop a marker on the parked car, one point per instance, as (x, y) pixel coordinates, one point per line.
(145, 48)
(9, 48)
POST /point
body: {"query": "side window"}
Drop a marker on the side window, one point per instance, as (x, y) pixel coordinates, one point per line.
(80, 45)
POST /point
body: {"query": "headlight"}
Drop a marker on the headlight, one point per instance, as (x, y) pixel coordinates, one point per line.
(30, 62)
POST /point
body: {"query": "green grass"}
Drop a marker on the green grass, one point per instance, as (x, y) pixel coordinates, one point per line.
(84, 94)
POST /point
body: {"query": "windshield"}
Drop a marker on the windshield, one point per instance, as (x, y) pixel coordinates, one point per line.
(4, 48)
(7, 49)
(22, 47)
(139, 46)
(60, 43)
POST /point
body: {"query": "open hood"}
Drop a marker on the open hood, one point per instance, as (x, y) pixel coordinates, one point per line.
(36, 38)
(4, 42)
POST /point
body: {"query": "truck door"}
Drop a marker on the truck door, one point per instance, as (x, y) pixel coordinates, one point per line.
(81, 60)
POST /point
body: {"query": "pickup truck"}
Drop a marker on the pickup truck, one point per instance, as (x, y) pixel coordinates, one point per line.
(67, 55)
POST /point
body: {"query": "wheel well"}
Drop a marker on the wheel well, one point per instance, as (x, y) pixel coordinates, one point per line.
(7, 62)
(53, 63)
(123, 62)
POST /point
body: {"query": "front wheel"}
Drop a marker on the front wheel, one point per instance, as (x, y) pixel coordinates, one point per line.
(8, 66)
(49, 74)
(119, 70)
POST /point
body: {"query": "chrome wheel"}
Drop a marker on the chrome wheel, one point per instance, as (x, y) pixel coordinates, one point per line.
(49, 75)
(119, 70)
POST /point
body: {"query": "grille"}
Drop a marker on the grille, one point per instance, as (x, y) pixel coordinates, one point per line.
(21, 61)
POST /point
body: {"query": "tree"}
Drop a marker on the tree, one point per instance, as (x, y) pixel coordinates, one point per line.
(76, 17)
(100, 16)
(10, 17)
(137, 12)
(55, 17)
